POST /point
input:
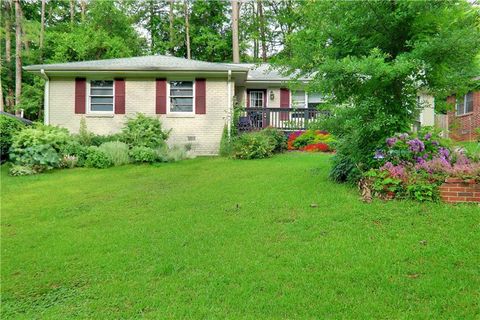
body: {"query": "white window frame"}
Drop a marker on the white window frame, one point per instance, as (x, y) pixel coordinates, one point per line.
(463, 108)
(305, 105)
(193, 98)
(89, 100)
(264, 98)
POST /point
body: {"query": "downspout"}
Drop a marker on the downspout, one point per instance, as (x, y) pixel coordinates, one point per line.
(46, 98)
(230, 106)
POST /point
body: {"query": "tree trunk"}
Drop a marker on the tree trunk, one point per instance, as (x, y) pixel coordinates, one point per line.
(261, 19)
(151, 27)
(235, 42)
(83, 8)
(172, 31)
(9, 103)
(42, 29)
(2, 108)
(18, 52)
(72, 11)
(187, 29)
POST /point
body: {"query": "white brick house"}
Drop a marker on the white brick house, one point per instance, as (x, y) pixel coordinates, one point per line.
(193, 98)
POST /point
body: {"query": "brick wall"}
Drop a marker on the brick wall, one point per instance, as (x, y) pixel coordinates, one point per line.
(202, 131)
(462, 128)
(456, 190)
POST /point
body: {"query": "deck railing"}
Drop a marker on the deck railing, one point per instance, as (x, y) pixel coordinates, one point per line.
(287, 119)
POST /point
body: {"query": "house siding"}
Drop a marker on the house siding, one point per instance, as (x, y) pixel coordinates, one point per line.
(463, 127)
(202, 131)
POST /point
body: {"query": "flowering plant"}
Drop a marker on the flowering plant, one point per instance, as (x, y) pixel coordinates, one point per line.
(310, 141)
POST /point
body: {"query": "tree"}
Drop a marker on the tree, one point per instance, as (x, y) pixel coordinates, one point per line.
(375, 57)
(235, 40)
(187, 29)
(42, 29)
(18, 52)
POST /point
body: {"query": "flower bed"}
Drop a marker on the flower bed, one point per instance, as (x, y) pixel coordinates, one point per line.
(421, 168)
(311, 141)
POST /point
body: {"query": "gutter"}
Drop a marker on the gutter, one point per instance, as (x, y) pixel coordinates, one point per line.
(230, 105)
(46, 98)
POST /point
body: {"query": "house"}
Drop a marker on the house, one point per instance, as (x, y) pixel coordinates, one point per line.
(193, 98)
(464, 120)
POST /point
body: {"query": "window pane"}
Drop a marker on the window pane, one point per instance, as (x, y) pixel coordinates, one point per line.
(181, 84)
(101, 107)
(469, 102)
(181, 92)
(460, 106)
(256, 99)
(101, 92)
(181, 104)
(102, 83)
(298, 99)
(101, 100)
(314, 97)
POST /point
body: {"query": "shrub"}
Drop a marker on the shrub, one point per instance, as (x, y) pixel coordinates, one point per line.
(9, 127)
(226, 144)
(116, 151)
(19, 170)
(143, 154)
(69, 161)
(41, 135)
(344, 169)
(98, 139)
(311, 141)
(278, 137)
(74, 148)
(38, 157)
(97, 158)
(84, 136)
(173, 154)
(253, 145)
(143, 131)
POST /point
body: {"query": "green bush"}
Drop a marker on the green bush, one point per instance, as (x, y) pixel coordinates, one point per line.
(278, 137)
(143, 154)
(19, 170)
(253, 145)
(143, 131)
(98, 139)
(226, 144)
(9, 127)
(173, 154)
(97, 158)
(117, 152)
(74, 148)
(39, 147)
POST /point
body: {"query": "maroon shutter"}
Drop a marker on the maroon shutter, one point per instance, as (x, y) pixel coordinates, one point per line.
(80, 95)
(161, 97)
(200, 96)
(119, 96)
(284, 102)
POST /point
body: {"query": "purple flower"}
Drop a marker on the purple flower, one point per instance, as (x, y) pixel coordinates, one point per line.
(391, 141)
(416, 145)
(443, 153)
(428, 136)
(379, 155)
(394, 171)
(420, 160)
(435, 143)
(403, 136)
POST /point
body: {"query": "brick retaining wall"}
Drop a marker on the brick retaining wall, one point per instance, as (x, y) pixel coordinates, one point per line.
(457, 190)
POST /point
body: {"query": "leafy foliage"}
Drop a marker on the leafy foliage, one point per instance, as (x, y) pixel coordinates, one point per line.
(254, 145)
(143, 154)
(116, 151)
(9, 127)
(144, 131)
(97, 158)
(374, 57)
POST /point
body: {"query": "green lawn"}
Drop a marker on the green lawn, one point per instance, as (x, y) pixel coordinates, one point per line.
(218, 238)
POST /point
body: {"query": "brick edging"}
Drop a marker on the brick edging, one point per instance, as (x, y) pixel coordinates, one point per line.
(455, 190)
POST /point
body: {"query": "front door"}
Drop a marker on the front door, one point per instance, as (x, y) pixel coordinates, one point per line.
(257, 99)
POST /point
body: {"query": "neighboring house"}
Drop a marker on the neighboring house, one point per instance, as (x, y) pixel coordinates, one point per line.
(193, 98)
(464, 120)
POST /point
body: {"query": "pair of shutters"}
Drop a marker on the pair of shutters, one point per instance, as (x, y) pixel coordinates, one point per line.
(160, 96)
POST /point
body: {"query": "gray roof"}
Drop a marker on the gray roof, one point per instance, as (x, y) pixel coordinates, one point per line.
(146, 63)
(266, 72)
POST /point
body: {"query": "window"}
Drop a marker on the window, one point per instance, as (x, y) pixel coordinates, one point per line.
(465, 104)
(314, 99)
(181, 96)
(256, 99)
(101, 96)
(298, 99)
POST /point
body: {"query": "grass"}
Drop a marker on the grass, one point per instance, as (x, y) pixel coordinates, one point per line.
(472, 147)
(218, 238)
